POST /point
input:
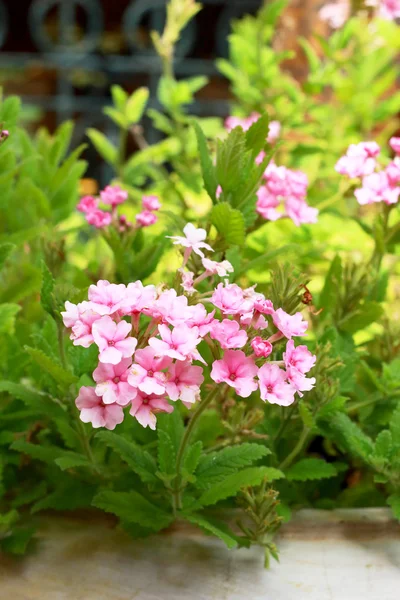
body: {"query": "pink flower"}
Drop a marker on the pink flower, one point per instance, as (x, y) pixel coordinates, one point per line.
(335, 13)
(289, 325)
(80, 318)
(264, 306)
(138, 298)
(113, 195)
(110, 339)
(98, 218)
(170, 308)
(245, 123)
(229, 299)
(87, 204)
(389, 9)
(299, 357)
(107, 298)
(395, 144)
(228, 334)
(377, 187)
(193, 240)
(273, 385)
(217, 268)
(112, 383)
(236, 370)
(393, 172)
(359, 160)
(184, 381)
(146, 218)
(197, 316)
(124, 224)
(273, 132)
(300, 212)
(267, 204)
(261, 348)
(146, 372)
(94, 411)
(179, 343)
(187, 281)
(145, 407)
(151, 203)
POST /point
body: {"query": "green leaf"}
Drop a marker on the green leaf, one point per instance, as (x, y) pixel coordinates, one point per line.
(70, 495)
(312, 56)
(8, 313)
(363, 316)
(132, 508)
(207, 167)
(395, 427)
(119, 96)
(46, 294)
(5, 251)
(383, 444)
(139, 460)
(63, 377)
(220, 530)
(351, 436)
(229, 222)
(166, 453)
(70, 460)
(329, 295)
(116, 116)
(136, 104)
(214, 467)
(231, 485)
(309, 469)
(173, 425)
(192, 457)
(394, 503)
(231, 156)
(256, 136)
(18, 541)
(103, 146)
(46, 454)
(41, 403)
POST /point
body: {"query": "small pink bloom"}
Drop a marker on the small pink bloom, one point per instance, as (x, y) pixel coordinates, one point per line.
(229, 299)
(228, 334)
(218, 191)
(87, 204)
(193, 240)
(98, 218)
(359, 160)
(299, 381)
(217, 268)
(377, 187)
(187, 281)
(138, 298)
(107, 298)
(244, 122)
(112, 383)
(179, 343)
(145, 407)
(261, 348)
(111, 340)
(273, 132)
(197, 316)
(124, 224)
(335, 13)
(289, 325)
(393, 172)
(147, 373)
(267, 204)
(146, 218)
(273, 386)
(237, 370)
(151, 203)
(300, 212)
(80, 318)
(299, 357)
(389, 9)
(170, 308)
(395, 144)
(184, 381)
(94, 411)
(113, 195)
(264, 306)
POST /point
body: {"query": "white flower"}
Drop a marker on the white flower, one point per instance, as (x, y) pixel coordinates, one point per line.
(194, 239)
(217, 268)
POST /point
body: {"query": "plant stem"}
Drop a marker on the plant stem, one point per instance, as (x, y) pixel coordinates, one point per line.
(182, 448)
(282, 428)
(296, 450)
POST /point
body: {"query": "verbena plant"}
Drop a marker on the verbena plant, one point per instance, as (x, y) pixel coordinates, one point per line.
(142, 372)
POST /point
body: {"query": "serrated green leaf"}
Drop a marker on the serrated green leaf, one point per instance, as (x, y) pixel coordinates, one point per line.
(43, 405)
(231, 485)
(351, 436)
(70, 495)
(207, 167)
(214, 467)
(306, 415)
(395, 427)
(8, 313)
(46, 454)
(103, 146)
(139, 460)
(70, 460)
(46, 294)
(364, 315)
(231, 156)
(309, 469)
(220, 530)
(133, 508)
(256, 135)
(136, 104)
(18, 541)
(166, 453)
(383, 444)
(119, 96)
(192, 457)
(60, 375)
(229, 223)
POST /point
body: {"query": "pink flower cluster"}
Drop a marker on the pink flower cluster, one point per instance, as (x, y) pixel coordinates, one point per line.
(246, 122)
(113, 196)
(338, 12)
(287, 187)
(149, 340)
(378, 185)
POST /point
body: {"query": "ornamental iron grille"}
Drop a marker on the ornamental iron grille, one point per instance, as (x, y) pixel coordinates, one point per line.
(72, 40)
